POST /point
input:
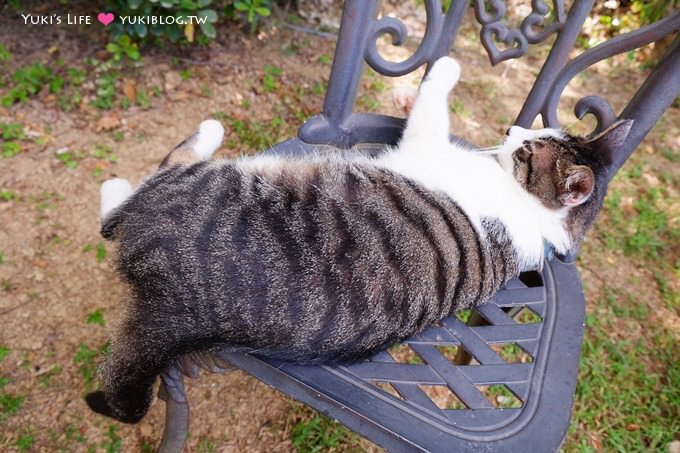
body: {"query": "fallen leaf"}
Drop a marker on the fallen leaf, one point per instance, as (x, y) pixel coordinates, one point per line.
(129, 88)
(180, 96)
(172, 80)
(107, 123)
(189, 31)
(145, 429)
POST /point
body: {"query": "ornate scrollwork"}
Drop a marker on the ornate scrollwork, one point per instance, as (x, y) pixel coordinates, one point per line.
(490, 14)
(595, 105)
(397, 29)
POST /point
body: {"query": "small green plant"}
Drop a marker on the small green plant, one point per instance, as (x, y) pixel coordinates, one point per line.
(29, 80)
(10, 405)
(4, 53)
(123, 47)
(207, 445)
(113, 443)
(100, 253)
(271, 77)
(459, 109)
(96, 317)
(70, 159)
(85, 357)
(76, 76)
(106, 91)
(104, 152)
(143, 100)
(26, 440)
(11, 133)
(319, 433)
(73, 432)
(4, 352)
(254, 10)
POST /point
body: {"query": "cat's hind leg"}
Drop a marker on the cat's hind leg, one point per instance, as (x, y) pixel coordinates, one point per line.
(138, 355)
(429, 119)
(199, 146)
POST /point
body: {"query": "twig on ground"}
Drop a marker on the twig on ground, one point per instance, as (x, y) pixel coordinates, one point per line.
(203, 62)
(310, 31)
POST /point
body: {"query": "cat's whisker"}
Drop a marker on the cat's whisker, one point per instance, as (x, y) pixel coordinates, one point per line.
(491, 150)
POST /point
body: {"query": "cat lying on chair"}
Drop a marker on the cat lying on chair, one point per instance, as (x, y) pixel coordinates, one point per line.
(332, 258)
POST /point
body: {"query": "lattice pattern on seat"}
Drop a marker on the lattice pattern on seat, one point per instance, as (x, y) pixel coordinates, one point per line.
(449, 364)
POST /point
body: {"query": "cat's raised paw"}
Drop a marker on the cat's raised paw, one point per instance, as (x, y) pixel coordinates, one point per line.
(113, 193)
(445, 71)
(208, 139)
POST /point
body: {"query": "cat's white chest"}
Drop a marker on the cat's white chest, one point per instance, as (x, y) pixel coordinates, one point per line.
(482, 189)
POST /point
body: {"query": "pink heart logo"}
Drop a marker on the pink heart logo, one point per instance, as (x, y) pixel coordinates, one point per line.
(105, 18)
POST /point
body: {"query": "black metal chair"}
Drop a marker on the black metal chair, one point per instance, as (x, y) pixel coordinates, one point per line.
(387, 401)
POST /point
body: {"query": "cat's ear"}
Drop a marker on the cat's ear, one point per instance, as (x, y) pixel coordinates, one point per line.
(609, 140)
(578, 186)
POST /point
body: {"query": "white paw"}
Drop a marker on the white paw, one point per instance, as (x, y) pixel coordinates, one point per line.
(113, 193)
(445, 71)
(403, 98)
(208, 139)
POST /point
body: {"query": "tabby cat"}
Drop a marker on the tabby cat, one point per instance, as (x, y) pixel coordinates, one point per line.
(331, 258)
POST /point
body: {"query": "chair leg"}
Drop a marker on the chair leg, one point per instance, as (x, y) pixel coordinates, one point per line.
(176, 411)
(462, 356)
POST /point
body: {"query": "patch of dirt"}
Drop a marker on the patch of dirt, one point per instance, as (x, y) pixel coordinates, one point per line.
(54, 273)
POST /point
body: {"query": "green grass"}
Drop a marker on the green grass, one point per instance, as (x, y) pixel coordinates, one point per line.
(12, 135)
(113, 442)
(637, 220)
(270, 79)
(627, 397)
(10, 405)
(73, 433)
(100, 253)
(86, 360)
(312, 433)
(28, 81)
(26, 440)
(96, 317)
(7, 195)
(207, 445)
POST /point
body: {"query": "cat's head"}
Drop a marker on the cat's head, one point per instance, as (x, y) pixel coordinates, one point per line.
(564, 172)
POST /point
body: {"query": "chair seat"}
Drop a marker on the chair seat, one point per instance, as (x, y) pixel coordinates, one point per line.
(384, 400)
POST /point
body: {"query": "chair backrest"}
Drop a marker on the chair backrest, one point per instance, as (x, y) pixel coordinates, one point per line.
(360, 28)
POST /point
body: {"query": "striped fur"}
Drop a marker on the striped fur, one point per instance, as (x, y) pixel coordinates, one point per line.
(316, 260)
